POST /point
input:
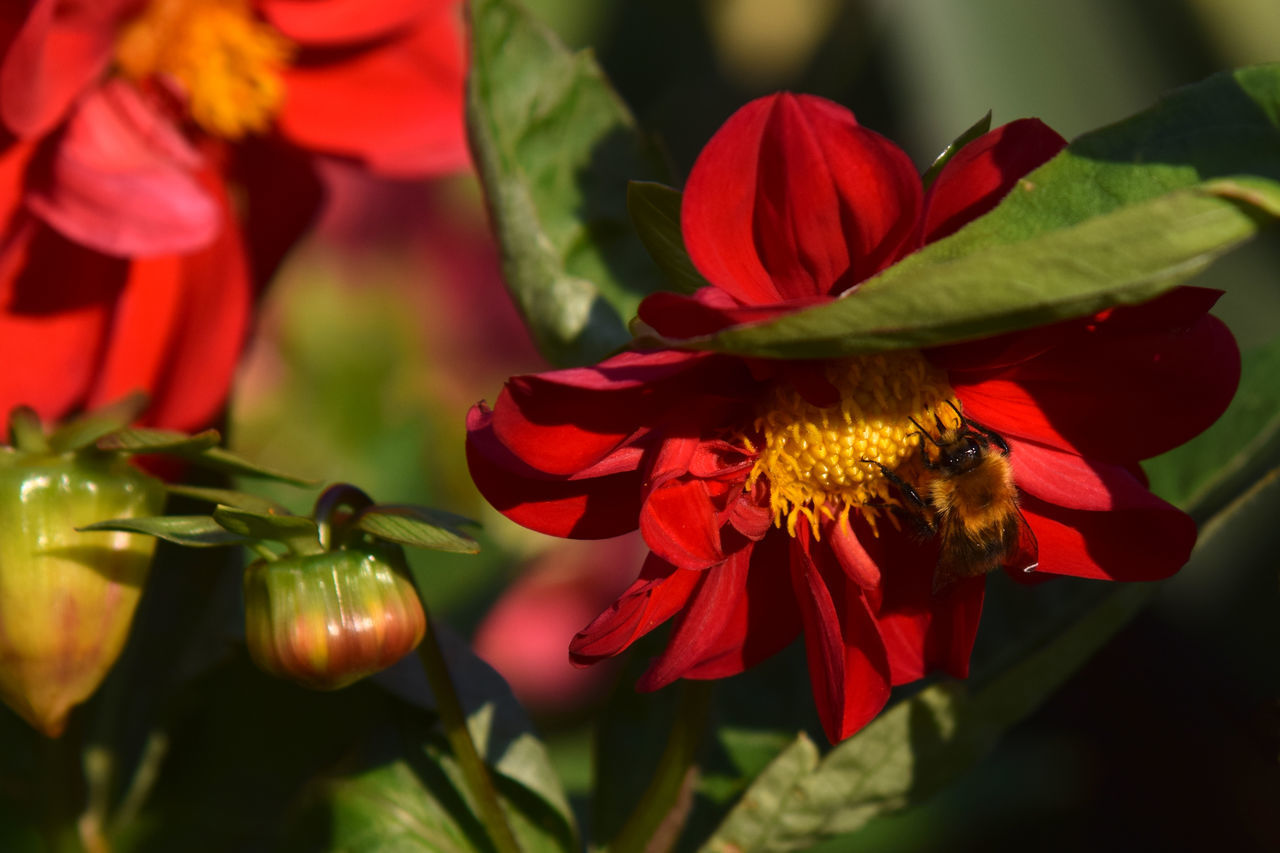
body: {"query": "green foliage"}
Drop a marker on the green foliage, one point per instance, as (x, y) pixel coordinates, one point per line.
(978, 128)
(555, 147)
(418, 526)
(655, 212)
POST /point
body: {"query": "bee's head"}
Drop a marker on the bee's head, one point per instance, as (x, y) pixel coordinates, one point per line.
(960, 453)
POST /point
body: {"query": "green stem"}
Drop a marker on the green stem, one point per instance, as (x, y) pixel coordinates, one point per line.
(655, 822)
(454, 722)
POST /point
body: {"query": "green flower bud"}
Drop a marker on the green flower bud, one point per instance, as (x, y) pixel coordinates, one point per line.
(327, 620)
(66, 598)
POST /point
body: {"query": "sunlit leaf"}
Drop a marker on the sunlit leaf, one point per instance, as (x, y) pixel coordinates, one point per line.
(91, 426)
(299, 532)
(148, 440)
(555, 147)
(417, 526)
(226, 497)
(196, 531)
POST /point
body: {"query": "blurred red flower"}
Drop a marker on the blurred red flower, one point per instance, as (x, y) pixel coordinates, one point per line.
(758, 485)
(126, 128)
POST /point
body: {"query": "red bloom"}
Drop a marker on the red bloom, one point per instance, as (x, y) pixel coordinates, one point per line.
(759, 486)
(122, 122)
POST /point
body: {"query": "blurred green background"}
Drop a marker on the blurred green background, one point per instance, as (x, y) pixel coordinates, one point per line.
(391, 322)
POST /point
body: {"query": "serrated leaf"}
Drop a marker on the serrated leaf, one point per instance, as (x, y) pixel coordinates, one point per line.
(655, 212)
(555, 147)
(1203, 162)
(1127, 256)
(296, 531)
(978, 128)
(417, 526)
(195, 531)
(148, 440)
(227, 497)
(91, 426)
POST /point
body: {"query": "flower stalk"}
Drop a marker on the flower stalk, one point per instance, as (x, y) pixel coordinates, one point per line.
(454, 722)
(655, 822)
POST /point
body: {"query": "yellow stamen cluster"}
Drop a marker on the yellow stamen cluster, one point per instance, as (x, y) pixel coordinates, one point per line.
(812, 457)
(227, 62)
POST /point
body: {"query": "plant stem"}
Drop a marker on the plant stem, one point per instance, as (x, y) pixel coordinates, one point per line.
(654, 823)
(61, 789)
(454, 721)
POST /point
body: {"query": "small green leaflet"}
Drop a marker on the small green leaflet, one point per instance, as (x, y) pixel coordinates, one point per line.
(193, 531)
(417, 526)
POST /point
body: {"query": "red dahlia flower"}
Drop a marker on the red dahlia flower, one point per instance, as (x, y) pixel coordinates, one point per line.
(121, 124)
(770, 493)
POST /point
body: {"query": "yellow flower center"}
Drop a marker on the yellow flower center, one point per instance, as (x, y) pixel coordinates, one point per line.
(826, 461)
(227, 62)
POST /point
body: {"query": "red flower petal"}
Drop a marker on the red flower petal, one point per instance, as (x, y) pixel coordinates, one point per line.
(1067, 480)
(792, 199)
(657, 595)
(709, 310)
(678, 521)
(982, 173)
(56, 299)
(342, 22)
(55, 54)
(1126, 387)
(741, 613)
(590, 508)
(564, 421)
(852, 556)
(120, 181)
(401, 102)
(1142, 539)
(848, 665)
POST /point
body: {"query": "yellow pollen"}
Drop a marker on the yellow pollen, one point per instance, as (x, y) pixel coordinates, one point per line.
(812, 457)
(227, 62)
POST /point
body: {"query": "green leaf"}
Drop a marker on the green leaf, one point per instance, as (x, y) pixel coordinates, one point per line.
(417, 526)
(227, 497)
(298, 532)
(978, 128)
(148, 440)
(1200, 167)
(655, 211)
(194, 531)
(217, 459)
(1130, 255)
(555, 147)
(91, 426)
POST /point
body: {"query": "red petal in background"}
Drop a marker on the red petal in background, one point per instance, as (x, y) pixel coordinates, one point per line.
(56, 300)
(121, 180)
(184, 350)
(56, 54)
(396, 106)
(343, 22)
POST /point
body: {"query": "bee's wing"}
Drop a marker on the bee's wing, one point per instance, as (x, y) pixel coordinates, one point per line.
(1025, 555)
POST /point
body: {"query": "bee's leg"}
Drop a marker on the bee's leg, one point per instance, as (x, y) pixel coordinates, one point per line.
(908, 491)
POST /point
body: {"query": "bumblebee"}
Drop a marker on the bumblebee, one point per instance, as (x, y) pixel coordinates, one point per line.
(968, 499)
